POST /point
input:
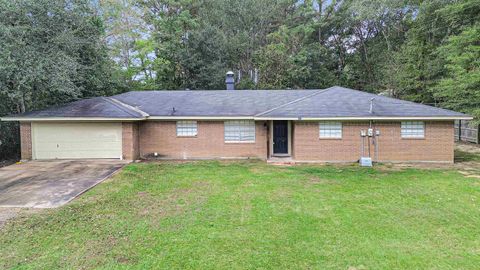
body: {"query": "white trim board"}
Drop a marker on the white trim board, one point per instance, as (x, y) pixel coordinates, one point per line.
(70, 119)
(173, 118)
(367, 118)
(200, 118)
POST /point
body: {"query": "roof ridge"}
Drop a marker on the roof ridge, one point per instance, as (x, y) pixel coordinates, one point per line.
(294, 101)
(217, 90)
(125, 107)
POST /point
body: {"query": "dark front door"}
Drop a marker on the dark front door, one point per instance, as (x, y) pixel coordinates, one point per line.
(280, 137)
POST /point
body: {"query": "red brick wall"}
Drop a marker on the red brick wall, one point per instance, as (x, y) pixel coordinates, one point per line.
(161, 137)
(26, 140)
(308, 146)
(438, 144)
(130, 141)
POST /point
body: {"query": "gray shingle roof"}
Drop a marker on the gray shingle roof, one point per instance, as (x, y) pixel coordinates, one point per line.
(100, 107)
(327, 103)
(343, 102)
(210, 103)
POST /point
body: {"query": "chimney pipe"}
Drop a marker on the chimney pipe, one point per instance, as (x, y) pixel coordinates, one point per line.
(230, 80)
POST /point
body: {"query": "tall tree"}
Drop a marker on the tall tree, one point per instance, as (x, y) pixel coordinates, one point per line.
(129, 41)
(459, 88)
(204, 59)
(296, 55)
(419, 65)
(173, 22)
(51, 52)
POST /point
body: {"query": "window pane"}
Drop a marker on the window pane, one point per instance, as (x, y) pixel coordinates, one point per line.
(330, 129)
(240, 131)
(186, 128)
(413, 129)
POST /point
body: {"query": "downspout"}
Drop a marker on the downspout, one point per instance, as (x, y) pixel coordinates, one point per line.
(374, 139)
(368, 140)
(268, 139)
(377, 146)
(363, 144)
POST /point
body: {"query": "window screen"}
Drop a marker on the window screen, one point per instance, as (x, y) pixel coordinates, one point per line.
(186, 128)
(240, 131)
(413, 129)
(330, 130)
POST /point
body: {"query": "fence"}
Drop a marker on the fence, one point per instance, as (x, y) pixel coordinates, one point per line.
(466, 132)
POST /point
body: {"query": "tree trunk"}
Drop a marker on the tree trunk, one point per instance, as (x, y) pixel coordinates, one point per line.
(21, 104)
(386, 40)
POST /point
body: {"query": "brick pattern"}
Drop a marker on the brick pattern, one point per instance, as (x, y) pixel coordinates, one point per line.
(437, 146)
(308, 146)
(161, 137)
(130, 141)
(26, 140)
(143, 139)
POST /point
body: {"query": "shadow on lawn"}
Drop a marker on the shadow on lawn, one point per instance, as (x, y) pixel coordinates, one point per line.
(463, 156)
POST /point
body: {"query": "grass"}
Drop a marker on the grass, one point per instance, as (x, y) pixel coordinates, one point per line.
(250, 215)
(463, 156)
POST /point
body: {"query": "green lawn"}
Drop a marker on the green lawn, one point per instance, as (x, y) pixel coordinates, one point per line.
(463, 156)
(250, 215)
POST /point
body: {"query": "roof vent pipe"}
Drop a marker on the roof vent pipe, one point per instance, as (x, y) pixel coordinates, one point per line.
(371, 105)
(230, 80)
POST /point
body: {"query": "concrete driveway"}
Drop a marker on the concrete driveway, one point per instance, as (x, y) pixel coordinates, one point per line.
(48, 184)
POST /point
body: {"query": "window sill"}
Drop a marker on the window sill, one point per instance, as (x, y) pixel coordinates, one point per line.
(419, 138)
(335, 139)
(239, 142)
(187, 137)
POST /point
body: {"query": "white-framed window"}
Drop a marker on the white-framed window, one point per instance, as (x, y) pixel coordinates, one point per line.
(240, 131)
(330, 130)
(186, 128)
(413, 129)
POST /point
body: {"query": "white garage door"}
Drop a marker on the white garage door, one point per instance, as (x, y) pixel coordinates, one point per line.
(76, 140)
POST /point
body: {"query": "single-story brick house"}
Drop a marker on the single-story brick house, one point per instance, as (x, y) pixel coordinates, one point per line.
(329, 125)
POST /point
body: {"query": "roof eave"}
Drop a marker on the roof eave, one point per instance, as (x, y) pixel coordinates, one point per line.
(74, 119)
(192, 117)
(261, 118)
(383, 118)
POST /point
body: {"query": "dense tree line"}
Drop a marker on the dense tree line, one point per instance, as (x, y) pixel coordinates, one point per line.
(424, 51)
(58, 51)
(51, 52)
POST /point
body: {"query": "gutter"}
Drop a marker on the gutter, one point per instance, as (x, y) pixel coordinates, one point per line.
(84, 119)
(366, 118)
(260, 118)
(201, 118)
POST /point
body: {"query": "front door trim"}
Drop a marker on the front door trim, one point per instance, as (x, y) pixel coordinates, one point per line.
(289, 127)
